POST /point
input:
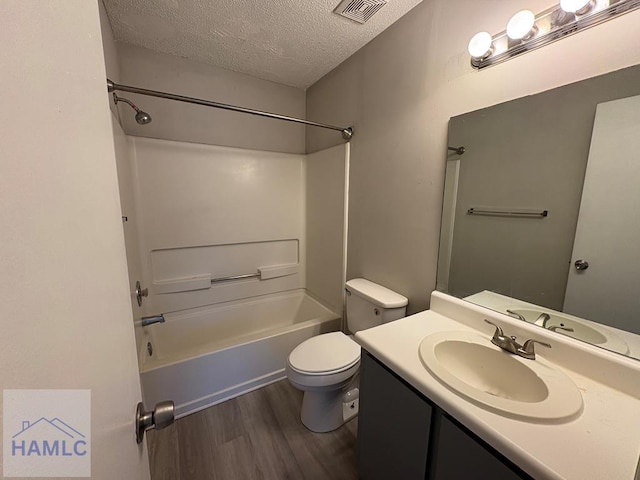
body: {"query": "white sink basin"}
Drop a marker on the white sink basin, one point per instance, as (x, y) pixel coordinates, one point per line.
(582, 330)
(470, 365)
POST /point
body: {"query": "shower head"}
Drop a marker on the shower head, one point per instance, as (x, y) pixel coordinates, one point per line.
(141, 117)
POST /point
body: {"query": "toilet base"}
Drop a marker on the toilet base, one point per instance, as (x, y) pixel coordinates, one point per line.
(327, 411)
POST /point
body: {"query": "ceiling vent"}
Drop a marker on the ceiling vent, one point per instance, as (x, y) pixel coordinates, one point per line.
(359, 10)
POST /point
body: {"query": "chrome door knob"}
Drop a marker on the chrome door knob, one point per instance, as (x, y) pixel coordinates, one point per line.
(140, 292)
(581, 265)
(162, 416)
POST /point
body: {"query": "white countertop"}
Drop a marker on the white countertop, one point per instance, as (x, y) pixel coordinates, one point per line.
(602, 443)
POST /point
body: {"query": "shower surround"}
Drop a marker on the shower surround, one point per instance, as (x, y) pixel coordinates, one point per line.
(198, 213)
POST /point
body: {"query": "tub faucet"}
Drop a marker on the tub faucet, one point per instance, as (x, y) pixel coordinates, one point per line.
(512, 346)
(146, 321)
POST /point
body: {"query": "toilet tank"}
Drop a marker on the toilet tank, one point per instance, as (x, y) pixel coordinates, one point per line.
(370, 304)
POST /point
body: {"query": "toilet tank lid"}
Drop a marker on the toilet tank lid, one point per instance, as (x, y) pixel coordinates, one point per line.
(376, 294)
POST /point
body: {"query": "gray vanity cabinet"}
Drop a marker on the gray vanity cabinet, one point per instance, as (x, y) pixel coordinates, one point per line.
(459, 456)
(393, 426)
(403, 435)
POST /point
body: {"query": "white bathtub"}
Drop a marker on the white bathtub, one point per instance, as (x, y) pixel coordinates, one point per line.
(211, 354)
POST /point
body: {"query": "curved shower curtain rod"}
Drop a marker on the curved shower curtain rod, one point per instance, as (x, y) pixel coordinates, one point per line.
(347, 132)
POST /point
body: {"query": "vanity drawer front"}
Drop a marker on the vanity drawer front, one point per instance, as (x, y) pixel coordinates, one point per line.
(393, 426)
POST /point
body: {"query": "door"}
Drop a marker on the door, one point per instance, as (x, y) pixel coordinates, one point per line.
(66, 336)
(608, 231)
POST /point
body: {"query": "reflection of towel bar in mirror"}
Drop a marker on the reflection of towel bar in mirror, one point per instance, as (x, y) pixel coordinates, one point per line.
(507, 213)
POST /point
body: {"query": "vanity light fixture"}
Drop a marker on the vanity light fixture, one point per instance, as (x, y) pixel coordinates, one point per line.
(522, 26)
(481, 45)
(527, 31)
(579, 7)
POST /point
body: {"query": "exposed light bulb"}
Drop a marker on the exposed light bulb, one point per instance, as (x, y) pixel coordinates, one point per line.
(576, 6)
(480, 45)
(521, 25)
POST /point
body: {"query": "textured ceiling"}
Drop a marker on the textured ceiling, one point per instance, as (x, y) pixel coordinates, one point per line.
(294, 42)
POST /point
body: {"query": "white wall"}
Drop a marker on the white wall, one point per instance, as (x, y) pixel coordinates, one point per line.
(327, 172)
(64, 300)
(130, 217)
(220, 211)
(400, 90)
(192, 123)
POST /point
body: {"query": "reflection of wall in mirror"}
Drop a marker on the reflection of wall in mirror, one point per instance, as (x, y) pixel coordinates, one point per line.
(527, 153)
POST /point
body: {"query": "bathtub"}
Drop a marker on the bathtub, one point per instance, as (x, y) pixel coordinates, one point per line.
(205, 356)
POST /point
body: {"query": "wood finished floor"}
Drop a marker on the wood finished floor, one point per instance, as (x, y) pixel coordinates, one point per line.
(255, 436)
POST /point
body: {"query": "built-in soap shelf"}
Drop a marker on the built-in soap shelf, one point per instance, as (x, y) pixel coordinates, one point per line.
(205, 281)
(184, 277)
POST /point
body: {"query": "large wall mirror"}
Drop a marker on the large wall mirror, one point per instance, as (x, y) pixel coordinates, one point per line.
(541, 216)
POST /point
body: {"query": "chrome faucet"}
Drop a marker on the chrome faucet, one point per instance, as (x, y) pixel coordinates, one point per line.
(146, 321)
(542, 319)
(517, 315)
(555, 328)
(504, 342)
(528, 351)
(512, 346)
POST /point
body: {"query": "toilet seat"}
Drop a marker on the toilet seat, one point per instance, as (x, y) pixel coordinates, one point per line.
(326, 354)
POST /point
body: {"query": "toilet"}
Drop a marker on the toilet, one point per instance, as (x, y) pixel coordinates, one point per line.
(324, 367)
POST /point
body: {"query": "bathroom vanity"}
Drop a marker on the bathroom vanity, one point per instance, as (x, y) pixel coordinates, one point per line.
(403, 434)
(413, 425)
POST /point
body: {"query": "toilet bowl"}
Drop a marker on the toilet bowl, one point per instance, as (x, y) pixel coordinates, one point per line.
(325, 367)
(322, 367)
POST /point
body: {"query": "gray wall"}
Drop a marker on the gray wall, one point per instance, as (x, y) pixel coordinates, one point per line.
(140, 67)
(325, 224)
(528, 153)
(192, 123)
(399, 92)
